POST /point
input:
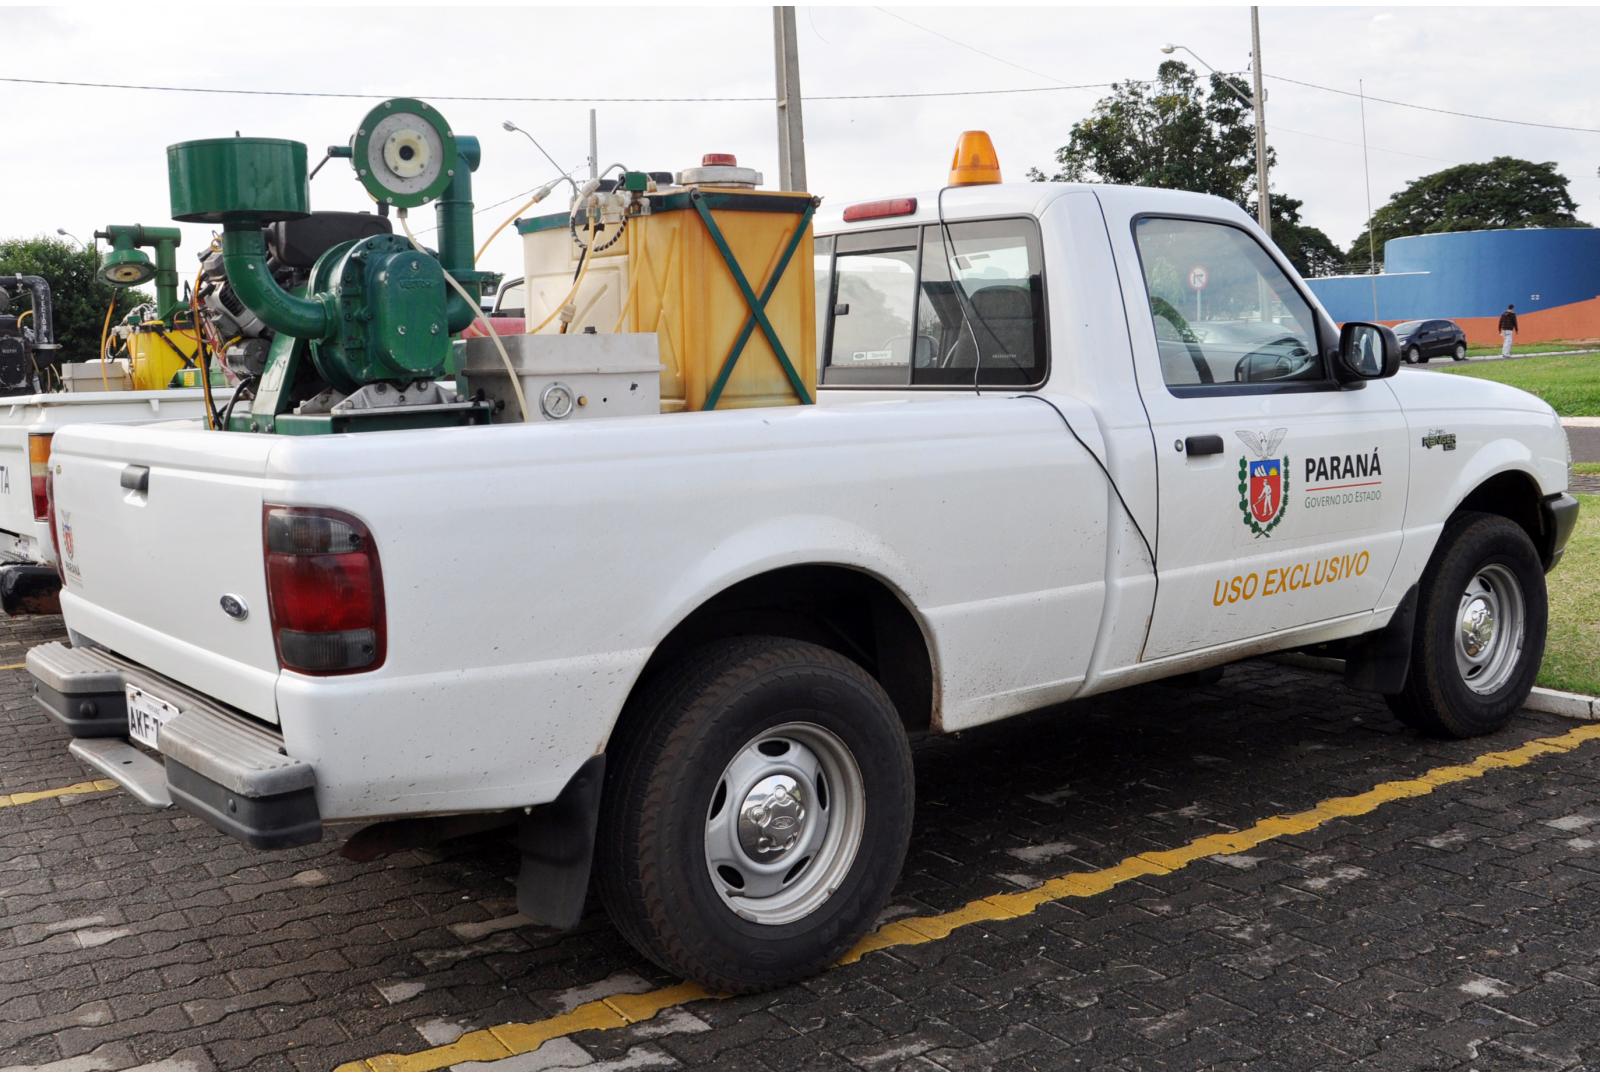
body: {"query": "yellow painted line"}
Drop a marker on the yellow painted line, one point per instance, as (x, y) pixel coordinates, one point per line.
(12, 667)
(22, 798)
(506, 1040)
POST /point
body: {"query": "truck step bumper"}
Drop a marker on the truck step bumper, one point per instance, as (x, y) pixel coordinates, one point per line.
(139, 774)
(30, 590)
(218, 764)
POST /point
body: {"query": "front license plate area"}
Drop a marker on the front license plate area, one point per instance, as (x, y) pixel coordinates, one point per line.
(146, 714)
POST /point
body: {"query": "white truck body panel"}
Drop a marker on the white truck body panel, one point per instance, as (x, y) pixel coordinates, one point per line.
(530, 571)
(22, 538)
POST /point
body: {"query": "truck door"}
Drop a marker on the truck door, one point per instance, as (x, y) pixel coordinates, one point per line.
(1281, 493)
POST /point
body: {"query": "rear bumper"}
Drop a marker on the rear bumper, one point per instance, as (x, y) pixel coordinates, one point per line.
(1560, 518)
(215, 762)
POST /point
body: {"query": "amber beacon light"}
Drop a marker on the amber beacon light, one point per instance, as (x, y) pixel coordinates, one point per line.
(975, 161)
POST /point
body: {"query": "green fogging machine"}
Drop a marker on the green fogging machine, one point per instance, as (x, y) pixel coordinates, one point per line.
(365, 342)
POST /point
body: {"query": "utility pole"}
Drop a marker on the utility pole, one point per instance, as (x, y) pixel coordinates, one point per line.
(791, 130)
(1262, 210)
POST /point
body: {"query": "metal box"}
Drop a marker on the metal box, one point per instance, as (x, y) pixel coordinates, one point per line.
(567, 376)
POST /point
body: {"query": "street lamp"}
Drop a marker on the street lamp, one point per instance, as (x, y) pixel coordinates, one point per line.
(509, 126)
(1257, 102)
(62, 232)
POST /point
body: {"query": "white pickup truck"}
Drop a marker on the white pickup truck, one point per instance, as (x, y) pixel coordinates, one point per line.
(1071, 439)
(28, 424)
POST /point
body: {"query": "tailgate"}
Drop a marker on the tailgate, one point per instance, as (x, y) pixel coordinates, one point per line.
(156, 525)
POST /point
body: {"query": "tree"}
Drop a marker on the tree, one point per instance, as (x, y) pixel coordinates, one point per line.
(1307, 247)
(78, 295)
(1169, 133)
(1505, 193)
(1172, 134)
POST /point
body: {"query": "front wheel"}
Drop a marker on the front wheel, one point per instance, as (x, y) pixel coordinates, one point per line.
(756, 815)
(1413, 355)
(1481, 621)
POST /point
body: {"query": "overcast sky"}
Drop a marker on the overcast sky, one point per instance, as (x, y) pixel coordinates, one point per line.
(80, 158)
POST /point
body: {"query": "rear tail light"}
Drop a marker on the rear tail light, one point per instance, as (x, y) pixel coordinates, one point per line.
(39, 474)
(324, 590)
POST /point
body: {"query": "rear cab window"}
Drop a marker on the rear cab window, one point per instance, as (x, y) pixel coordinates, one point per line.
(923, 307)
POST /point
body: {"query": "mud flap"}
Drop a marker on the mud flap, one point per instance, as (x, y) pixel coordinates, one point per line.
(30, 590)
(1381, 660)
(557, 845)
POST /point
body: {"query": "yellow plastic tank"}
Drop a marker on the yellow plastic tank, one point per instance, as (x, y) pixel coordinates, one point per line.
(154, 356)
(666, 275)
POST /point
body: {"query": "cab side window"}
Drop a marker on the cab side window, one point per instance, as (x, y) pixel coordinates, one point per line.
(981, 312)
(926, 307)
(1224, 314)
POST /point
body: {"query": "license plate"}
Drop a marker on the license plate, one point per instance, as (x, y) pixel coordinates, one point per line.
(146, 714)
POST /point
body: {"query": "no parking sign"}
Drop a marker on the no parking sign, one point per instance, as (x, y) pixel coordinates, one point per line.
(1197, 278)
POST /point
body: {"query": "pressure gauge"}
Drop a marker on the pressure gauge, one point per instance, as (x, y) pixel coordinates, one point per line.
(556, 402)
(404, 153)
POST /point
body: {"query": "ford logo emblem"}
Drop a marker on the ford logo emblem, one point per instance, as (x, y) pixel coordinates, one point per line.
(235, 607)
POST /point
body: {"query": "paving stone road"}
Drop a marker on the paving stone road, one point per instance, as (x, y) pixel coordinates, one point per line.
(1451, 929)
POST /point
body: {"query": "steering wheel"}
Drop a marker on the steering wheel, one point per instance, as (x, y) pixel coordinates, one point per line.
(1161, 309)
(1292, 363)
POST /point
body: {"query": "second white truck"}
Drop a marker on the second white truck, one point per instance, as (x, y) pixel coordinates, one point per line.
(1068, 439)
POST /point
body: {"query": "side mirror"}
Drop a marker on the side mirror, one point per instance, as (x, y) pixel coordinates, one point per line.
(1367, 351)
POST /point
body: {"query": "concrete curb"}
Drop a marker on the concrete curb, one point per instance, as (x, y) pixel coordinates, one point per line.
(1552, 702)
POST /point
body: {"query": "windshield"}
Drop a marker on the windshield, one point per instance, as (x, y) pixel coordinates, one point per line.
(1407, 327)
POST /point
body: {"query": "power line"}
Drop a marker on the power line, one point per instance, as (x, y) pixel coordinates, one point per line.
(1432, 108)
(967, 46)
(765, 99)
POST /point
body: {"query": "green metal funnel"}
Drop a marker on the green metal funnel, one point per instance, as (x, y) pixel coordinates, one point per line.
(126, 267)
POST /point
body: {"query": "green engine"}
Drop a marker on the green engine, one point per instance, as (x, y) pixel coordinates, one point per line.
(366, 343)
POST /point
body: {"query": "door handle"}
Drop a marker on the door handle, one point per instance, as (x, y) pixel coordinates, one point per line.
(136, 478)
(1202, 445)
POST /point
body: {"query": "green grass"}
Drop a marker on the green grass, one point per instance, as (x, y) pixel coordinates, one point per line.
(1586, 468)
(1572, 652)
(1535, 349)
(1571, 384)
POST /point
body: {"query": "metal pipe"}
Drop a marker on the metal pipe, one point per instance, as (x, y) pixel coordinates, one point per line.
(44, 332)
(165, 242)
(453, 212)
(244, 258)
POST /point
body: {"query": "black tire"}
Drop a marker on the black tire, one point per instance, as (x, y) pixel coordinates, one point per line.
(1460, 351)
(1413, 355)
(1437, 698)
(665, 766)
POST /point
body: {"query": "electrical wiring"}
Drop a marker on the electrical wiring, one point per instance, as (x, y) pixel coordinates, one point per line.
(201, 327)
(105, 332)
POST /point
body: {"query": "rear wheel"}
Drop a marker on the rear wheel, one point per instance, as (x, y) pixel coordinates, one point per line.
(757, 813)
(1481, 621)
(1460, 351)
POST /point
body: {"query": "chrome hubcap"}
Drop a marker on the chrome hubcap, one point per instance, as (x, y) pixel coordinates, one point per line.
(784, 823)
(1490, 627)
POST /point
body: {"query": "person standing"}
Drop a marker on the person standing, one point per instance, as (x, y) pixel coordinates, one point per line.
(1508, 328)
